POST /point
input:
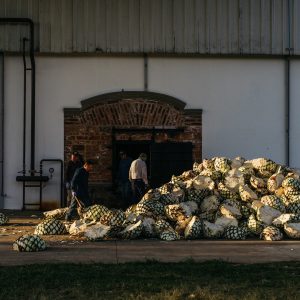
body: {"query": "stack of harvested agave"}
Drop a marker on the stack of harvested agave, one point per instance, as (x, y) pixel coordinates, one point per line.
(219, 198)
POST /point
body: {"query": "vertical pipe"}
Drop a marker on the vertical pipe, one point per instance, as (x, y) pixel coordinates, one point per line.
(287, 110)
(62, 185)
(25, 105)
(41, 184)
(145, 72)
(31, 28)
(287, 84)
(32, 147)
(2, 130)
(289, 26)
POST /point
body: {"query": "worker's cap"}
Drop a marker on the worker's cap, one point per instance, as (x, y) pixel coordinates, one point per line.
(89, 162)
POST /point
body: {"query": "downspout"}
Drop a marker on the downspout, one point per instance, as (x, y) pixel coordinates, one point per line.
(287, 85)
(145, 72)
(2, 131)
(25, 105)
(30, 23)
(287, 110)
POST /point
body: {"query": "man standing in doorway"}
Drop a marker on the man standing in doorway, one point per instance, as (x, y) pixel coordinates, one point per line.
(80, 188)
(123, 178)
(138, 177)
(73, 165)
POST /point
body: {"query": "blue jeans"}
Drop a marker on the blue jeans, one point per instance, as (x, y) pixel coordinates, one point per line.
(126, 192)
(73, 207)
(139, 190)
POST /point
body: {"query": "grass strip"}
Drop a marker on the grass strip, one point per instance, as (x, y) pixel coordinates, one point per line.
(152, 280)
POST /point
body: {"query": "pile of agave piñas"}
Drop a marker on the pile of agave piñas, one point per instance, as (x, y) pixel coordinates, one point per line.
(220, 198)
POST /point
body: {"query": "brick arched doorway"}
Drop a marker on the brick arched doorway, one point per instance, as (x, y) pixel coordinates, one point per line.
(110, 122)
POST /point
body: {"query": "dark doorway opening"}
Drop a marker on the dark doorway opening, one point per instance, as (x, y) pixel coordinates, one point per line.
(167, 159)
(164, 159)
(133, 150)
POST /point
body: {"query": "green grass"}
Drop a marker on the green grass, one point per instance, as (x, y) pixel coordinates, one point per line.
(152, 280)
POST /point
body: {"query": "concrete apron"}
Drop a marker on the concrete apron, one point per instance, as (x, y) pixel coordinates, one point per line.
(143, 250)
(69, 249)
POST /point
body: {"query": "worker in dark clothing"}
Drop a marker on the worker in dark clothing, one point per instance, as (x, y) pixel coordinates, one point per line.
(80, 188)
(123, 182)
(73, 165)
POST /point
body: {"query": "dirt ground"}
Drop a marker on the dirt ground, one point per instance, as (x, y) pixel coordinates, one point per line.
(70, 249)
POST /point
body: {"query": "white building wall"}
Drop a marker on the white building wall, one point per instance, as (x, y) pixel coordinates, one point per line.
(60, 82)
(242, 102)
(294, 114)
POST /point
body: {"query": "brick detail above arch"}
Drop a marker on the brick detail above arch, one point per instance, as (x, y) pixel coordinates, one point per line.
(145, 95)
(133, 113)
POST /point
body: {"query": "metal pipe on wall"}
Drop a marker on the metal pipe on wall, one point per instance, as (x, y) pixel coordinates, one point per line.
(2, 130)
(145, 72)
(288, 86)
(287, 110)
(29, 22)
(25, 104)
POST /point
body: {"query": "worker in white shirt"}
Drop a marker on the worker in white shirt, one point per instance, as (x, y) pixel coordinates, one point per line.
(138, 177)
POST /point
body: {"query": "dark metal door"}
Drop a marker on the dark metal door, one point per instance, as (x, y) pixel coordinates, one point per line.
(167, 159)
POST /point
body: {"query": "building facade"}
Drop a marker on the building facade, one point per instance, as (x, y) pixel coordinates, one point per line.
(215, 78)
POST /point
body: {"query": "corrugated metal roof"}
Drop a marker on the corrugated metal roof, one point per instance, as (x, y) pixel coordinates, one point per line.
(154, 26)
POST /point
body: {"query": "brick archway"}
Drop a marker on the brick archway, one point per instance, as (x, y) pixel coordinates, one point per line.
(128, 116)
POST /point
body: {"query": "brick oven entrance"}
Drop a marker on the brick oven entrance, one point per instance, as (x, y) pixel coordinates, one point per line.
(135, 122)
